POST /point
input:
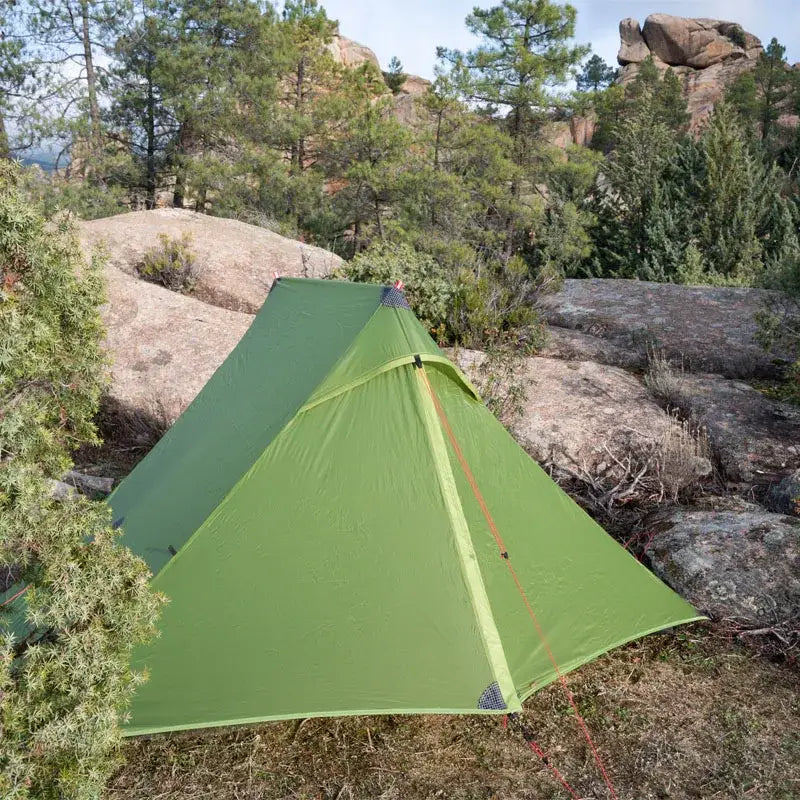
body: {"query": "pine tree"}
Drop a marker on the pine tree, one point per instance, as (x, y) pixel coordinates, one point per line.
(77, 32)
(73, 601)
(15, 70)
(139, 116)
(394, 76)
(365, 155)
(745, 224)
(525, 50)
(640, 231)
(595, 75)
(773, 83)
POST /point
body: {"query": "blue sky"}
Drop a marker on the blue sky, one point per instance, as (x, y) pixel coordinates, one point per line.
(411, 29)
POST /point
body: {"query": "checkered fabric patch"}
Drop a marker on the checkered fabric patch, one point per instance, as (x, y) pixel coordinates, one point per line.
(491, 698)
(394, 298)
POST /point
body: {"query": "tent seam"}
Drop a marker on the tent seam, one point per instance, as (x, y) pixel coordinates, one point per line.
(470, 566)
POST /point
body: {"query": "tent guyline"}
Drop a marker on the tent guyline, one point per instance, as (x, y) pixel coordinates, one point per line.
(326, 555)
(506, 557)
(530, 739)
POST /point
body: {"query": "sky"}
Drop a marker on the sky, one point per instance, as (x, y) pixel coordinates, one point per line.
(412, 29)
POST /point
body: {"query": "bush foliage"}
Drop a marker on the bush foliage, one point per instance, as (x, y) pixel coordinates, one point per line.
(171, 264)
(65, 643)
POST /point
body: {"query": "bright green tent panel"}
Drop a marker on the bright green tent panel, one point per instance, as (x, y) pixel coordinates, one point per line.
(588, 593)
(324, 584)
(286, 353)
(329, 555)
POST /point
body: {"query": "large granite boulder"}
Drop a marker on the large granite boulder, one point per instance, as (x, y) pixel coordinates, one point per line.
(741, 566)
(696, 43)
(236, 262)
(756, 439)
(632, 48)
(163, 346)
(706, 329)
(706, 54)
(350, 53)
(784, 497)
(577, 415)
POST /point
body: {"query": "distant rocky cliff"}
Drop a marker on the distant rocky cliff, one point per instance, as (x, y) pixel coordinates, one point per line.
(707, 54)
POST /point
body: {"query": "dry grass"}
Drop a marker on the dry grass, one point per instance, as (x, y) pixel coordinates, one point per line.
(661, 379)
(679, 715)
(682, 458)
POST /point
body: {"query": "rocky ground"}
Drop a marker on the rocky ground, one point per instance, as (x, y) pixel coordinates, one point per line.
(642, 405)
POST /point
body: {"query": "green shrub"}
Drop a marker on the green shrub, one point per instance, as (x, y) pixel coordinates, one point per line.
(496, 306)
(172, 264)
(65, 645)
(429, 287)
(736, 35)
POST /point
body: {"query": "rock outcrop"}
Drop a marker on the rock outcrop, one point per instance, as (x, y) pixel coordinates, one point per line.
(576, 414)
(742, 566)
(703, 328)
(163, 346)
(351, 54)
(236, 262)
(756, 439)
(707, 54)
(784, 497)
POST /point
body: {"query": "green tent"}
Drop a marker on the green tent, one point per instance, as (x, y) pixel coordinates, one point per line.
(321, 518)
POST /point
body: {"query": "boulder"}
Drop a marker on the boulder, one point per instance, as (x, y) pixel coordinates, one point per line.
(569, 345)
(704, 328)
(163, 346)
(633, 48)
(696, 43)
(582, 129)
(756, 439)
(236, 262)
(706, 54)
(574, 413)
(351, 54)
(784, 497)
(741, 566)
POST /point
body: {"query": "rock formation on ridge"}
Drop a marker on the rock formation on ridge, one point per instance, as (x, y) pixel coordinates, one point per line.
(706, 54)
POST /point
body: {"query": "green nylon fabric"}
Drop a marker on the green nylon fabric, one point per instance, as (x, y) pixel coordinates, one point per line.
(301, 332)
(325, 583)
(343, 566)
(588, 593)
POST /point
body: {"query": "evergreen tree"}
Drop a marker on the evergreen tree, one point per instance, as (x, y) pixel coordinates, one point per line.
(595, 75)
(663, 92)
(640, 231)
(77, 32)
(212, 53)
(395, 77)
(139, 116)
(73, 601)
(15, 71)
(773, 84)
(525, 50)
(365, 155)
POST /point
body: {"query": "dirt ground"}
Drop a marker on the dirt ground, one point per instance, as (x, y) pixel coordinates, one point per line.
(684, 714)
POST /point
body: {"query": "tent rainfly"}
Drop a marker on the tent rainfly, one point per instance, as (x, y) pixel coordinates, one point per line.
(342, 527)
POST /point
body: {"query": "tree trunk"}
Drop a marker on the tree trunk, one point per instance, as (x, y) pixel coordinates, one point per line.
(298, 147)
(91, 78)
(436, 146)
(150, 201)
(178, 194)
(5, 151)
(378, 218)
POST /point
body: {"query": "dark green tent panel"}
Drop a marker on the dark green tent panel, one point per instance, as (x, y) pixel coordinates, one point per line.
(331, 555)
